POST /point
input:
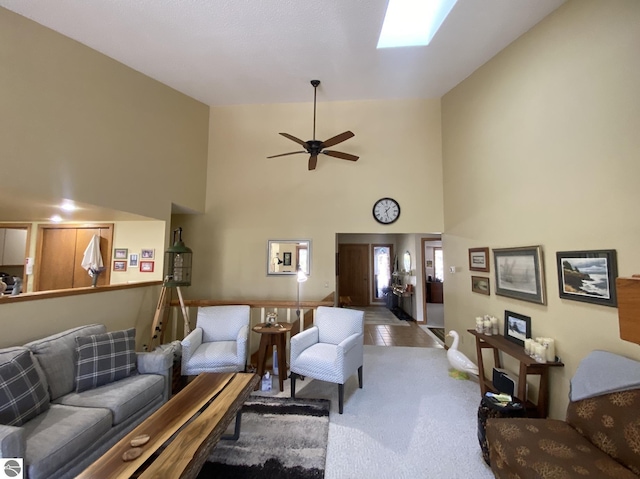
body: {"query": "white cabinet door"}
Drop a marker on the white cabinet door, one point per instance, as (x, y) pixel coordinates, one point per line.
(15, 246)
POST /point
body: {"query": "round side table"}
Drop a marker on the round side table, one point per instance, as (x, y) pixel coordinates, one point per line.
(273, 335)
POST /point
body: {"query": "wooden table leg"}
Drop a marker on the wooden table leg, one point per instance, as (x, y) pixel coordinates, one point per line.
(282, 358)
(265, 344)
(483, 385)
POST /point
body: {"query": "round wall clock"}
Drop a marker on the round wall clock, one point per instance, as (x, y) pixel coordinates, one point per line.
(386, 211)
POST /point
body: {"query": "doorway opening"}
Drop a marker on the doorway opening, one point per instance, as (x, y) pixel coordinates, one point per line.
(382, 258)
(433, 273)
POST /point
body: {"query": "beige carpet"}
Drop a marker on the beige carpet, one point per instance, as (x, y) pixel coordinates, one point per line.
(380, 315)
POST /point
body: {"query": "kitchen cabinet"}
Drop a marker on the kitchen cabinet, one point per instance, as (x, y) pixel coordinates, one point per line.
(13, 246)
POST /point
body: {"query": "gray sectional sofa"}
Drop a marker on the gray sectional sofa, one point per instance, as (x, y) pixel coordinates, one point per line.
(67, 398)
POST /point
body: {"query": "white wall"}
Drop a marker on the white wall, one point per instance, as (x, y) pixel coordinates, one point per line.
(540, 147)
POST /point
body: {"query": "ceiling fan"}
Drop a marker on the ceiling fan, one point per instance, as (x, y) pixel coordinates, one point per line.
(316, 147)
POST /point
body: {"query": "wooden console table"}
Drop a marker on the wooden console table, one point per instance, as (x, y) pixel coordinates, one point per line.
(528, 366)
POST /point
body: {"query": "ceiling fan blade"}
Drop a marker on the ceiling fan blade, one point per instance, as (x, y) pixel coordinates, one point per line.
(297, 140)
(285, 154)
(337, 139)
(339, 154)
(313, 161)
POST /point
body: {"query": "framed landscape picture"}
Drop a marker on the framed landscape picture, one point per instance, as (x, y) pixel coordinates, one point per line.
(120, 253)
(588, 276)
(517, 327)
(480, 284)
(479, 259)
(520, 273)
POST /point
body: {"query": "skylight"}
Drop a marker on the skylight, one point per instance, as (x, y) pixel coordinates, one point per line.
(413, 22)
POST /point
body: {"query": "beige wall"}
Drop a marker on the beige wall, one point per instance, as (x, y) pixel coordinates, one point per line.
(134, 236)
(540, 147)
(251, 199)
(25, 321)
(77, 124)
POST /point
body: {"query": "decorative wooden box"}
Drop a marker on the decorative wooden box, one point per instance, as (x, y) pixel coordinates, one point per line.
(629, 308)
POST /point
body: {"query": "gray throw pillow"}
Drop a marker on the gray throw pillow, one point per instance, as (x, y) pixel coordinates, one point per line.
(104, 358)
(22, 394)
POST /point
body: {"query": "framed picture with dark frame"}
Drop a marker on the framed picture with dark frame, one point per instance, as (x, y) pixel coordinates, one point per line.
(480, 284)
(286, 257)
(479, 259)
(520, 273)
(120, 253)
(517, 327)
(588, 276)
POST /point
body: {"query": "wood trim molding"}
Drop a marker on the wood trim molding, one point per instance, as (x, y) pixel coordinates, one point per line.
(60, 293)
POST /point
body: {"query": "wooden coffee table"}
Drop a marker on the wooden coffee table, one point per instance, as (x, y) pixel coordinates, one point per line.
(211, 399)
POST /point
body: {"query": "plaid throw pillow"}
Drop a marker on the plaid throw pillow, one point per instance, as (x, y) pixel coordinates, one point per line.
(104, 358)
(22, 394)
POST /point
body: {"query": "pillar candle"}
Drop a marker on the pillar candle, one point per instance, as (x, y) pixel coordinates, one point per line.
(551, 350)
(541, 353)
(487, 327)
(527, 346)
(479, 325)
(494, 325)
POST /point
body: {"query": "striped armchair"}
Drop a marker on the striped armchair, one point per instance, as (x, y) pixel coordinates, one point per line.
(331, 350)
(218, 344)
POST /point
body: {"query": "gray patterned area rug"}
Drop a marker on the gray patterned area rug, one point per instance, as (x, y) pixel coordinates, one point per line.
(279, 438)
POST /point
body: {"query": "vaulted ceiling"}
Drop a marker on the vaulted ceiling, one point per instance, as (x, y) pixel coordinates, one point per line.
(258, 51)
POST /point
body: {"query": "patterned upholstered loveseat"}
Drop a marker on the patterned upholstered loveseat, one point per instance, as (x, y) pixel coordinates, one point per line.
(599, 439)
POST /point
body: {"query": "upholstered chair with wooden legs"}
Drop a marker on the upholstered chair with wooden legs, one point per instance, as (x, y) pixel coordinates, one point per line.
(331, 350)
(218, 344)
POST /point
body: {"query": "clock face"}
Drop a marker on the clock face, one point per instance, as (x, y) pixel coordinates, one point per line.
(386, 211)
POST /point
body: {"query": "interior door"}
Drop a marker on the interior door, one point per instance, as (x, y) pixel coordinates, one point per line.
(60, 252)
(353, 273)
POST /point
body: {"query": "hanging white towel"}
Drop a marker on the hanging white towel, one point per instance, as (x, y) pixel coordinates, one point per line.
(92, 259)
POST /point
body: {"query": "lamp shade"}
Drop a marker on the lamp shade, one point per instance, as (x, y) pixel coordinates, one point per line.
(177, 263)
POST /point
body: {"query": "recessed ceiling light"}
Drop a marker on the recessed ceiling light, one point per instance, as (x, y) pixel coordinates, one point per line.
(410, 23)
(56, 218)
(68, 206)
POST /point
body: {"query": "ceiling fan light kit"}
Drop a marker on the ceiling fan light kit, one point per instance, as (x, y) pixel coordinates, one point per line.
(316, 147)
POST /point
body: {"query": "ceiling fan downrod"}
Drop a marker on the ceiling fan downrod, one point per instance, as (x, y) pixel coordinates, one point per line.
(315, 84)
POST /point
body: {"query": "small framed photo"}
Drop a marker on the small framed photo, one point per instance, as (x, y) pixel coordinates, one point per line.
(287, 259)
(480, 284)
(133, 260)
(146, 266)
(479, 259)
(120, 265)
(517, 327)
(520, 273)
(147, 254)
(588, 276)
(120, 253)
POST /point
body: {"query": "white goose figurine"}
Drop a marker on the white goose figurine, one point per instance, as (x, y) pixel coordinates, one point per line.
(458, 360)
